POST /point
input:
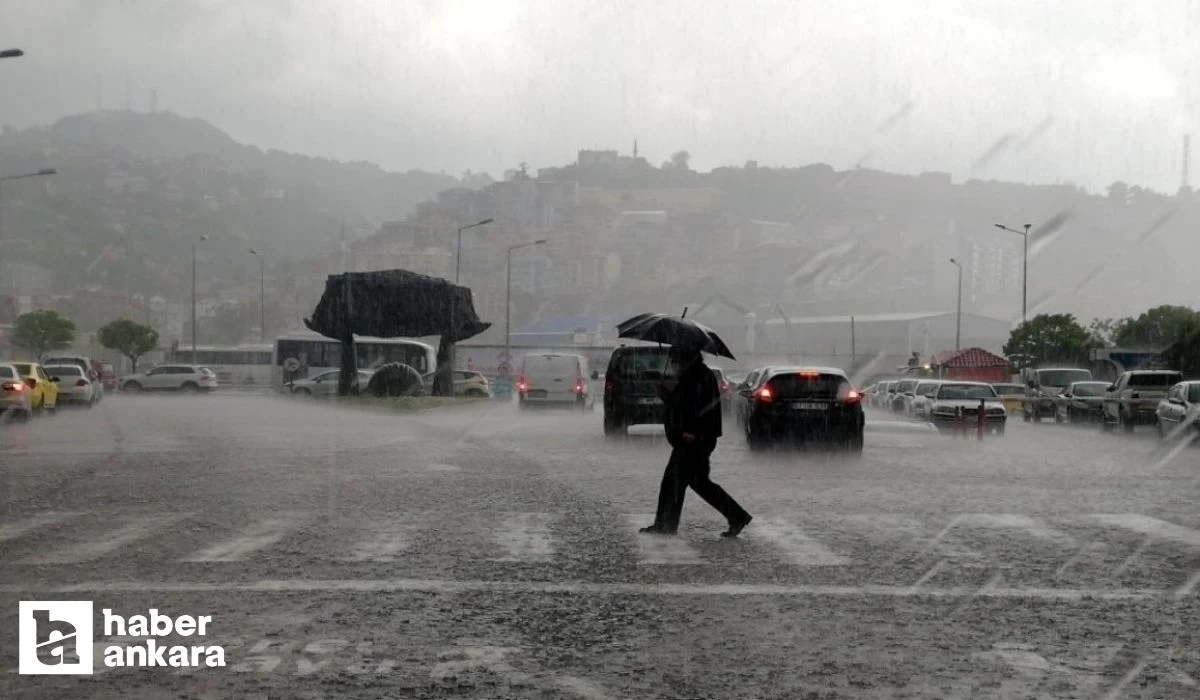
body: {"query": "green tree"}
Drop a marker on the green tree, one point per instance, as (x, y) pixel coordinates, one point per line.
(1047, 338)
(1103, 331)
(1184, 353)
(129, 338)
(42, 331)
(1156, 328)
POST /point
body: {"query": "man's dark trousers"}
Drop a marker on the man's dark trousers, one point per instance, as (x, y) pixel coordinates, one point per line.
(689, 466)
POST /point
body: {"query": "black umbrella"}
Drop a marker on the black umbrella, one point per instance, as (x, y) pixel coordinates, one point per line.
(680, 332)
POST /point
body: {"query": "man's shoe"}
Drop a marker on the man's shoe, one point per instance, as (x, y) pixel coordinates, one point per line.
(735, 528)
(656, 530)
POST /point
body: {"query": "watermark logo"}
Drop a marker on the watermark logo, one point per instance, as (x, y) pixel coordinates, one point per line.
(54, 637)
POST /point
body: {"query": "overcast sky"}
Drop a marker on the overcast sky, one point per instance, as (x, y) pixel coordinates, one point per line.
(1090, 91)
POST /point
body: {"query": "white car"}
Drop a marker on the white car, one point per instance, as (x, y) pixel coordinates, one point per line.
(957, 404)
(74, 385)
(171, 378)
(15, 396)
(85, 363)
(326, 383)
(555, 378)
(920, 406)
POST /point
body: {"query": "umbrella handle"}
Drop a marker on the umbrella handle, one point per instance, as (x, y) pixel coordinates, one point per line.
(684, 314)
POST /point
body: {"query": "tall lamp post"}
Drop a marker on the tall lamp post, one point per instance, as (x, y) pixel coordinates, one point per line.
(958, 318)
(458, 254)
(508, 297)
(5, 178)
(444, 378)
(194, 245)
(1024, 266)
(262, 295)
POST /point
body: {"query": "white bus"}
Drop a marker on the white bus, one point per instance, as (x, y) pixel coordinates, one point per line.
(234, 365)
(318, 354)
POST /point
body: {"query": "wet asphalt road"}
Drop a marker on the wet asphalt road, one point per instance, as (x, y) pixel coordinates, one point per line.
(479, 552)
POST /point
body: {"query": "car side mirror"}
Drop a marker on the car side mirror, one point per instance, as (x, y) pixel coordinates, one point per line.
(929, 396)
(1176, 401)
(1111, 387)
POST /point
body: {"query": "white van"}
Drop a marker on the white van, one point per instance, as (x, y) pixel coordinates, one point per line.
(554, 378)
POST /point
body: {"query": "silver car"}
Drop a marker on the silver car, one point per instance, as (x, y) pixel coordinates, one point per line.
(74, 385)
(189, 378)
(15, 395)
(326, 383)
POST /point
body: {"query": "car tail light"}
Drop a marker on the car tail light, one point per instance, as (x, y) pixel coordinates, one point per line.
(13, 386)
(580, 386)
(522, 385)
(764, 395)
(853, 397)
(810, 375)
(81, 382)
(610, 389)
(725, 387)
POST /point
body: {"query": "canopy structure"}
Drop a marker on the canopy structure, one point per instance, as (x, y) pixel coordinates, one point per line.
(395, 304)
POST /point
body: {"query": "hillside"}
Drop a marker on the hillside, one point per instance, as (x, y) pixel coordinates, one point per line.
(135, 190)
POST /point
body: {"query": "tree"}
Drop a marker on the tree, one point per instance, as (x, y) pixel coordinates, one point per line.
(1047, 338)
(1103, 331)
(679, 161)
(42, 331)
(129, 338)
(1183, 353)
(1156, 328)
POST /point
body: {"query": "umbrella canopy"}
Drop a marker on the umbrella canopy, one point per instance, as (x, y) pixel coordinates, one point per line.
(394, 303)
(676, 331)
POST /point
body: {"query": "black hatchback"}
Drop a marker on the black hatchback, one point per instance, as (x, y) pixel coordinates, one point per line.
(805, 405)
(633, 384)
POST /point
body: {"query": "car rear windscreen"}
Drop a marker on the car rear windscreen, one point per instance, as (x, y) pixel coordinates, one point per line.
(1158, 381)
(1062, 377)
(1090, 389)
(1193, 395)
(552, 365)
(64, 371)
(7, 373)
(805, 386)
(952, 392)
(643, 365)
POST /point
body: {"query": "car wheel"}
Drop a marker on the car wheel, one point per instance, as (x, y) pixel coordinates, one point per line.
(1057, 416)
(1162, 432)
(613, 425)
(132, 388)
(1127, 425)
(854, 444)
(1037, 416)
(475, 393)
(190, 387)
(303, 392)
(755, 440)
(1105, 424)
(1026, 416)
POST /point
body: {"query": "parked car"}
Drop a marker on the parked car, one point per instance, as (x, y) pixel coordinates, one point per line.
(325, 383)
(632, 383)
(921, 405)
(1013, 396)
(74, 385)
(85, 363)
(190, 378)
(466, 382)
(1133, 399)
(15, 394)
(806, 405)
(43, 390)
(1181, 407)
(953, 401)
(555, 378)
(726, 387)
(1081, 402)
(743, 394)
(903, 395)
(1042, 387)
(885, 393)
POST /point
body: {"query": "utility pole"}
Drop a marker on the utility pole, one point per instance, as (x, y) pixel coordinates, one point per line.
(958, 317)
(202, 239)
(1024, 268)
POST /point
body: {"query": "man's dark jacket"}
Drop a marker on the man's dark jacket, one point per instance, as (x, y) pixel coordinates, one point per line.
(694, 406)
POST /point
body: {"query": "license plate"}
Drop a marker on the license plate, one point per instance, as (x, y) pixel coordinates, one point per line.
(808, 406)
(536, 393)
(649, 402)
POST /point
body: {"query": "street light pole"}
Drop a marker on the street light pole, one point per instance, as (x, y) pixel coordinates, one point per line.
(202, 239)
(458, 253)
(1024, 267)
(958, 319)
(262, 295)
(508, 298)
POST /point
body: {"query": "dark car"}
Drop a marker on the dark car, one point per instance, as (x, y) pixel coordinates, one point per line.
(726, 387)
(1179, 409)
(1081, 402)
(632, 386)
(805, 405)
(1133, 399)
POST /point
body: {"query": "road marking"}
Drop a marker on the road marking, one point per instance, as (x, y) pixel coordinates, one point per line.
(799, 548)
(914, 530)
(136, 529)
(260, 534)
(1151, 527)
(390, 541)
(661, 549)
(928, 575)
(526, 537)
(583, 688)
(20, 528)
(1189, 586)
(576, 588)
(1011, 521)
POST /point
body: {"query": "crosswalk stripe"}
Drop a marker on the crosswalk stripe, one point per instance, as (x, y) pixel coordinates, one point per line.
(259, 535)
(1151, 527)
(661, 549)
(525, 537)
(795, 544)
(1012, 521)
(915, 531)
(109, 542)
(385, 545)
(12, 531)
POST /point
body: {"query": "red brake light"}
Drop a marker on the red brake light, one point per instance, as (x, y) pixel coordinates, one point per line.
(14, 386)
(580, 387)
(764, 394)
(853, 397)
(611, 388)
(810, 375)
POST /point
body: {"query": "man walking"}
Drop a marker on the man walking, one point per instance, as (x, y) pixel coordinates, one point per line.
(693, 424)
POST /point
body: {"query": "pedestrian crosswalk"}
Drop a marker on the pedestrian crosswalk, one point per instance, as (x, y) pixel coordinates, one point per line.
(811, 541)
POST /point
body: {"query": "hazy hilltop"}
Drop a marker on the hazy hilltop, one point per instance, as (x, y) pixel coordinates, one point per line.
(135, 190)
